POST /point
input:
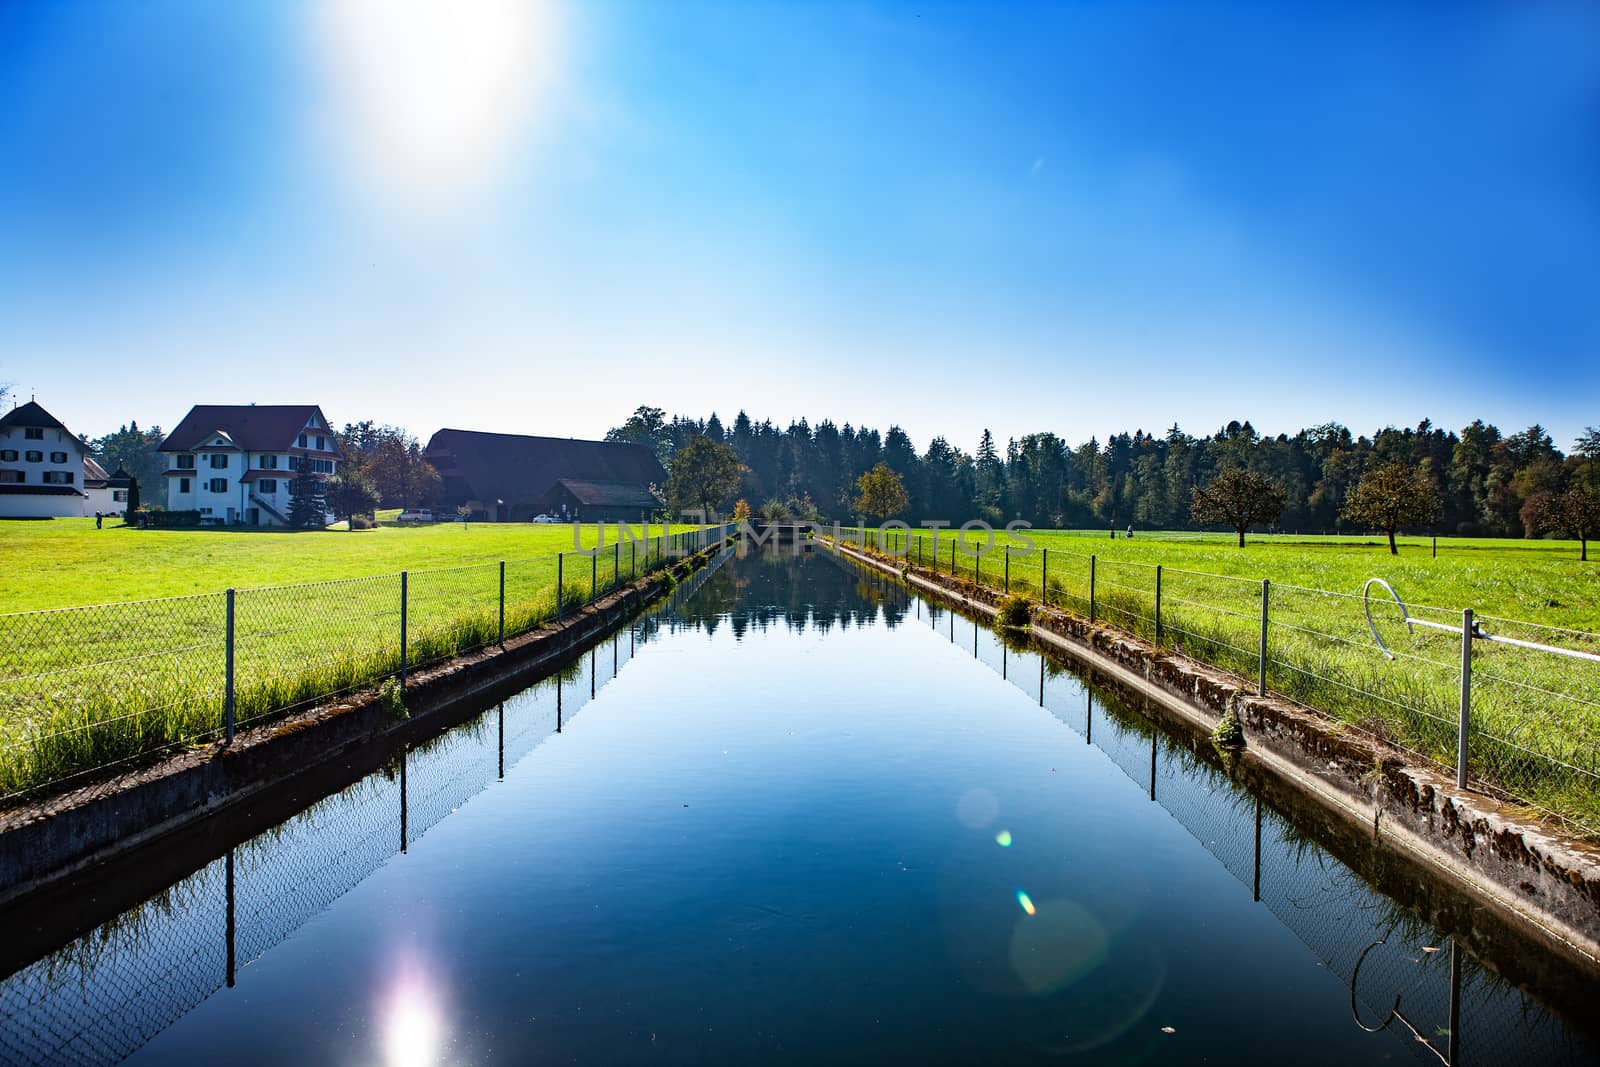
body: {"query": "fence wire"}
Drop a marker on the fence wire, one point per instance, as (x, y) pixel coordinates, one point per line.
(84, 691)
(1533, 713)
(106, 994)
(1401, 972)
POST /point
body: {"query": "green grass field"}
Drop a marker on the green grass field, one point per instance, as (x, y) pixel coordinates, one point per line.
(134, 661)
(68, 563)
(1535, 726)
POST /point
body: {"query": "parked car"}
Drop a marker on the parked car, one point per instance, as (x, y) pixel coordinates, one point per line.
(416, 515)
(545, 518)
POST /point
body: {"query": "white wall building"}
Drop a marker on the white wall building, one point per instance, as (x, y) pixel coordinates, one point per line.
(234, 463)
(41, 466)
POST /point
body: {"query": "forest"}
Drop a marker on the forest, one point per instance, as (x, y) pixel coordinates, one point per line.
(1488, 483)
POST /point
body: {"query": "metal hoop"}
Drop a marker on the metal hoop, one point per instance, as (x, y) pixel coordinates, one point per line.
(1405, 617)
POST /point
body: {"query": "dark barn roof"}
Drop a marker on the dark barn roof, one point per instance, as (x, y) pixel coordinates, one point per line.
(610, 494)
(252, 427)
(522, 470)
(31, 414)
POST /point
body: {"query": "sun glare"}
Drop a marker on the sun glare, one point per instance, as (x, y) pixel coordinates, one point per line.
(431, 98)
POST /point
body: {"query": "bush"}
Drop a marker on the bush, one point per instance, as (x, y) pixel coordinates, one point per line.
(1015, 611)
(393, 699)
(361, 522)
(1229, 732)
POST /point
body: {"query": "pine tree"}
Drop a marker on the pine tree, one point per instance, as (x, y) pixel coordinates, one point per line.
(307, 508)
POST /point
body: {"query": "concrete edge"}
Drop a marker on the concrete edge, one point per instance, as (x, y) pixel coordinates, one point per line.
(1530, 875)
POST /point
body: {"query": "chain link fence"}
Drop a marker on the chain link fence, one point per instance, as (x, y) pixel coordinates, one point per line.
(1520, 700)
(105, 995)
(87, 691)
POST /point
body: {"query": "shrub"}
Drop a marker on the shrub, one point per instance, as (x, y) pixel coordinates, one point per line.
(1015, 611)
(393, 699)
(361, 522)
(1229, 732)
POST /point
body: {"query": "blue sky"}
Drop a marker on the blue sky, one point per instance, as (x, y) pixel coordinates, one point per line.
(1078, 218)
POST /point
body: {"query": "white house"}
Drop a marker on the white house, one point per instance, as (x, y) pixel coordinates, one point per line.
(42, 466)
(233, 463)
(104, 494)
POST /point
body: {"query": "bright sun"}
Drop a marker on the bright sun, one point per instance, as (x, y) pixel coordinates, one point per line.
(431, 97)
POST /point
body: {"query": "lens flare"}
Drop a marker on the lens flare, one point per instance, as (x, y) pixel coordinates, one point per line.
(1003, 838)
(1025, 901)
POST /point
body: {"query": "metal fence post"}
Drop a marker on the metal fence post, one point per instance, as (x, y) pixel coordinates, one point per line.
(1044, 577)
(633, 560)
(616, 564)
(594, 574)
(228, 681)
(1158, 603)
(560, 592)
(502, 603)
(1466, 699)
(1266, 593)
(404, 597)
(1092, 562)
(1008, 568)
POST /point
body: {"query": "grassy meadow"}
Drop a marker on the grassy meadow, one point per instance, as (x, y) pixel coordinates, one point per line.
(1535, 727)
(134, 662)
(68, 563)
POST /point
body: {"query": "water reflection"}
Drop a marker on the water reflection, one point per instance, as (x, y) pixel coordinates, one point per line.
(910, 862)
(1403, 975)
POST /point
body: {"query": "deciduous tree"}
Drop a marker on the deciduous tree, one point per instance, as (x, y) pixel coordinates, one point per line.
(1576, 511)
(1390, 496)
(704, 474)
(1238, 498)
(881, 492)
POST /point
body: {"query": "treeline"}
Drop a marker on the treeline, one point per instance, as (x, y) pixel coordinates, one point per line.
(1488, 483)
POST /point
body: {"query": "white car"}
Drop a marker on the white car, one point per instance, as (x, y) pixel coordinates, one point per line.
(415, 515)
(545, 518)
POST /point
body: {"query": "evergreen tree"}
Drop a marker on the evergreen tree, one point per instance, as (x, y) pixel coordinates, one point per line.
(308, 509)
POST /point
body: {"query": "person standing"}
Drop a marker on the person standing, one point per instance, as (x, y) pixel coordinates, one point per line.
(99, 520)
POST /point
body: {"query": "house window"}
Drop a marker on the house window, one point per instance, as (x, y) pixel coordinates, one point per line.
(183, 485)
(219, 461)
(320, 444)
(58, 457)
(219, 485)
(205, 511)
(119, 495)
(13, 476)
(267, 463)
(186, 461)
(294, 463)
(8, 455)
(268, 485)
(34, 456)
(57, 477)
(302, 440)
(33, 433)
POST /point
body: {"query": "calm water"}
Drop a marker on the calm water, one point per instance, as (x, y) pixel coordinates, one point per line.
(796, 815)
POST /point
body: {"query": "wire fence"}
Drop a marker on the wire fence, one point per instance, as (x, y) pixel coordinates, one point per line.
(85, 691)
(106, 994)
(1404, 976)
(1519, 700)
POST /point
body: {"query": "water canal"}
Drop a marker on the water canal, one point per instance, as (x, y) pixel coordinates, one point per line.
(794, 814)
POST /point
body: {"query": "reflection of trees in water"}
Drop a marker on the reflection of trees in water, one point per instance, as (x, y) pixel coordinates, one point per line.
(800, 592)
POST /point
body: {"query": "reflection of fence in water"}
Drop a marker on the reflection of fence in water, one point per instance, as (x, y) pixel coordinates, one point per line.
(105, 995)
(1405, 977)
